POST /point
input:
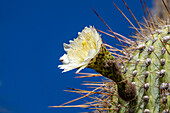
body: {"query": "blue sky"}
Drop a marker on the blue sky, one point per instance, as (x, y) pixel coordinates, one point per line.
(32, 34)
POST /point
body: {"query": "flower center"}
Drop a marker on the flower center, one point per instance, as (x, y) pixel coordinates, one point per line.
(84, 43)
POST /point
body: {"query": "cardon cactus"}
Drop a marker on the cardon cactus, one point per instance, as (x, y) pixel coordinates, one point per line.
(139, 75)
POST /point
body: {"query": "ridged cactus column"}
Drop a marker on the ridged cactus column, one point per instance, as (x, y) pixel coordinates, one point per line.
(150, 71)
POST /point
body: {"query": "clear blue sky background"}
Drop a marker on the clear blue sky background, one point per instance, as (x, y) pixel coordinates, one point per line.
(32, 33)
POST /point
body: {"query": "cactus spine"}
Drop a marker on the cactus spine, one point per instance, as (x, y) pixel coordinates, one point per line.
(140, 76)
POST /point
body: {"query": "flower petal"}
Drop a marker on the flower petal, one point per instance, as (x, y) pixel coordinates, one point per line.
(81, 50)
(64, 59)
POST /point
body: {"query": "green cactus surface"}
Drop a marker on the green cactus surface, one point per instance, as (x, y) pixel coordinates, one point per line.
(149, 69)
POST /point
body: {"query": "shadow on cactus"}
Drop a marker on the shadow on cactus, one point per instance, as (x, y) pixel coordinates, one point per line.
(139, 74)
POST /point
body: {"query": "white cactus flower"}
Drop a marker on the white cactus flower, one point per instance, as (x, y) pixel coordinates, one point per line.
(80, 51)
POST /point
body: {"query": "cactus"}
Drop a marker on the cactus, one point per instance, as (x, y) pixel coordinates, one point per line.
(139, 77)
